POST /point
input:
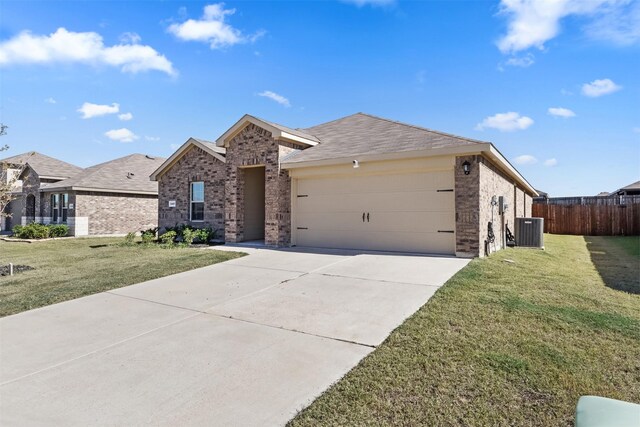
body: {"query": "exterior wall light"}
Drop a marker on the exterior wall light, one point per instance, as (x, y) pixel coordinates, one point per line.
(466, 167)
(356, 165)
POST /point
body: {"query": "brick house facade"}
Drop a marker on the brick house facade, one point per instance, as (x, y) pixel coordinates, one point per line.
(113, 198)
(253, 143)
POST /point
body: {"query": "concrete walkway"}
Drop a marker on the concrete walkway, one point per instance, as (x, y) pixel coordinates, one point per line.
(248, 342)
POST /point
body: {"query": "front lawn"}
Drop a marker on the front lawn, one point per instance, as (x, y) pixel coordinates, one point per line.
(70, 268)
(512, 340)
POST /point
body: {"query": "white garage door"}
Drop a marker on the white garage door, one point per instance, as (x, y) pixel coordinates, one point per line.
(411, 212)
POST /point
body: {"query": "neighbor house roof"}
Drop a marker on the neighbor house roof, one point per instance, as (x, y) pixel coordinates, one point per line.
(633, 187)
(366, 134)
(45, 166)
(278, 132)
(207, 146)
(129, 174)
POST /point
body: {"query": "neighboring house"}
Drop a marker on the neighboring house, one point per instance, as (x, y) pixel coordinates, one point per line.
(34, 169)
(359, 182)
(111, 198)
(630, 190)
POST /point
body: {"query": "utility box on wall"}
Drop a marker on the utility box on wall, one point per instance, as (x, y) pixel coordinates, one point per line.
(529, 232)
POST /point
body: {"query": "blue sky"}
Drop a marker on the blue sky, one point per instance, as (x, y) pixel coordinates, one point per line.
(555, 85)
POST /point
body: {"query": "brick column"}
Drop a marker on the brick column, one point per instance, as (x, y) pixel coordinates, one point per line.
(467, 195)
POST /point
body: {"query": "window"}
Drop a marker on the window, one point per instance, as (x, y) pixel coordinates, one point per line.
(59, 207)
(55, 207)
(64, 207)
(197, 201)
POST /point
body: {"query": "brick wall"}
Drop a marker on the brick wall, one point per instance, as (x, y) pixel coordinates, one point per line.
(467, 198)
(115, 213)
(195, 165)
(30, 187)
(495, 183)
(251, 147)
(474, 210)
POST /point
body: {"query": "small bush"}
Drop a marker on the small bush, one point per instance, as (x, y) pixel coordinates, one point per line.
(188, 234)
(40, 231)
(58, 230)
(32, 231)
(152, 231)
(129, 239)
(168, 237)
(148, 237)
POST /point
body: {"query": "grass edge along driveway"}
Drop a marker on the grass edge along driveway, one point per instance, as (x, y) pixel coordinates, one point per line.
(513, 339)
(71, 268)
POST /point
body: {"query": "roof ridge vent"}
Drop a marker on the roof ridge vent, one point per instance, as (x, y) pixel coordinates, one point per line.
(130, 175)
(149, 157)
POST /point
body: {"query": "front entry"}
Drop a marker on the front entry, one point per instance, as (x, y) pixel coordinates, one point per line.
(254, 203)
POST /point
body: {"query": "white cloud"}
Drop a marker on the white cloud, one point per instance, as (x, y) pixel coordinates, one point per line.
(50, 101)
(505, 122)
(599, 87)
(130, 38)
(276, 97)
(90, 110)
(125, 117)
(525, 159)
(620, 25)
(361, 3)
(212, 29)
(121, 135)
(521, 61)
(152, 138)
(534, 22)
(561, 112)
(87, 48)
(550, 162)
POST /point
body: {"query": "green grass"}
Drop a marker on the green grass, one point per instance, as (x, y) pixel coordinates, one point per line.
(71, 268)
(504, 344)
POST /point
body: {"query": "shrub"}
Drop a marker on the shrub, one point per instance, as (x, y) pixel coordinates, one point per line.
(168, 237)
(58, 230)
(148, 237)
(32, 231)
(17, 230)
(129, 239)
(152, 231)
(188, 234)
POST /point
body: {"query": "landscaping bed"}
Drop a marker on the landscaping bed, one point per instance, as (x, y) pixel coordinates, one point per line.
(505, 344)
(70, 268)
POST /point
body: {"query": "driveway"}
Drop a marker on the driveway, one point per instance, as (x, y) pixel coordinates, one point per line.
(247, 342)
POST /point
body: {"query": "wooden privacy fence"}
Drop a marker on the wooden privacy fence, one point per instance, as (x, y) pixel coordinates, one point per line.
(590, 216)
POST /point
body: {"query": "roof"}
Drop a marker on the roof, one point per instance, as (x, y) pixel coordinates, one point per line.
(278, 132)
(129, 174)
(366, 134)
(44, 166)
(207, 146)
(631, 187)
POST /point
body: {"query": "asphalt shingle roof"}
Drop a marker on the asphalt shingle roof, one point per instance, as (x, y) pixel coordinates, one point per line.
(43, 165)
(126, 174)
(297, 132)
(361, 133)
(211, 145)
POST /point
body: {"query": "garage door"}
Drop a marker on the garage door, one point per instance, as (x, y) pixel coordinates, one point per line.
(402, 212)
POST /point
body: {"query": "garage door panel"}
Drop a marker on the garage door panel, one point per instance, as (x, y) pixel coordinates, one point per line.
(406, 212)
(371, 184)
(437, 243)
(426, 201)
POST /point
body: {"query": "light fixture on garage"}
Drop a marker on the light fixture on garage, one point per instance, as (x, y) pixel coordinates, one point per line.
(356, 165)
(466, 167)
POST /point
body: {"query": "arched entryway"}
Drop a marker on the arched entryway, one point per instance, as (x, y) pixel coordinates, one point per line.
(30, 208)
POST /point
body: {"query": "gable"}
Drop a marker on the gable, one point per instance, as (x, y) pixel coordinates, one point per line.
(207, 147)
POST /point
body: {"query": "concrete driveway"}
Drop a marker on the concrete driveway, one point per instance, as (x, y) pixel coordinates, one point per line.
(247, 342)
